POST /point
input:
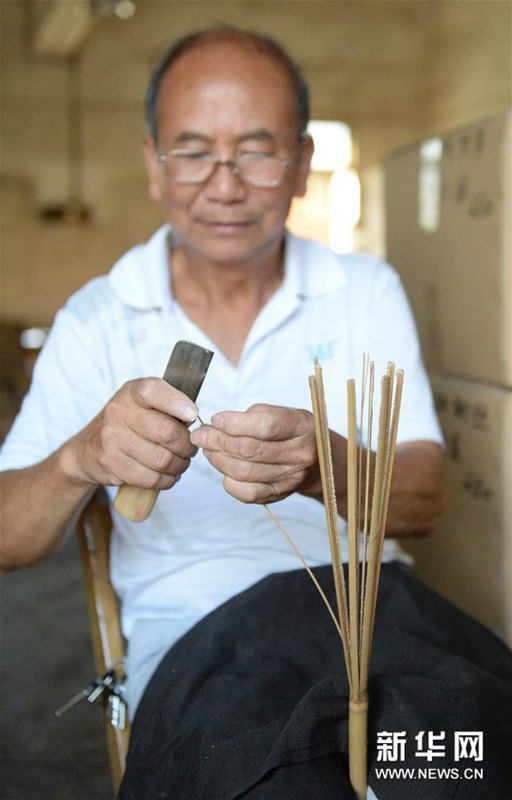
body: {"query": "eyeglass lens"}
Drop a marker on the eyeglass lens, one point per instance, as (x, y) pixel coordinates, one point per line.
(257, 169)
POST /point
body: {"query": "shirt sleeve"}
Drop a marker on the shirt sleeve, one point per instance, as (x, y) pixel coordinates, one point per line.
(67, 391)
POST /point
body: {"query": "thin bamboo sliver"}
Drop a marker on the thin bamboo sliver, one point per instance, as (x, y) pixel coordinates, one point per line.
(306, 565)
(374, 529)
(389, 473)
(325, 463)
(366, 496)
(353, 543)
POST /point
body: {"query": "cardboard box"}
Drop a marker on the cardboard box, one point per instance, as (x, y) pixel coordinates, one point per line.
(448, 229)
(469, 558)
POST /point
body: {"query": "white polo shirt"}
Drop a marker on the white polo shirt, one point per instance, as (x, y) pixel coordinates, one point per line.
(200, 546)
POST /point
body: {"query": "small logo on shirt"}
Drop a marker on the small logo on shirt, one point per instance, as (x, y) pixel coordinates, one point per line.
(322, 351)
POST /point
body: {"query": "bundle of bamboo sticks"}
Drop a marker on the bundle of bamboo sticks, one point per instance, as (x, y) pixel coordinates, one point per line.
(367, 504)
(368, 489)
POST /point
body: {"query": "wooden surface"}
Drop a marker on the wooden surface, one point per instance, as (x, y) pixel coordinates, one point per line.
(108, 646)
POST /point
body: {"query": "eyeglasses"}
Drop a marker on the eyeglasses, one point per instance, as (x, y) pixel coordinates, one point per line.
(196, 166)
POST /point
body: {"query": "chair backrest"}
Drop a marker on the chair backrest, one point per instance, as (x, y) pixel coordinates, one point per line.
(94, 529)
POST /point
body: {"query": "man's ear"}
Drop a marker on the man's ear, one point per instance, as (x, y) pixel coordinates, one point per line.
(305, 155)
(153, 168)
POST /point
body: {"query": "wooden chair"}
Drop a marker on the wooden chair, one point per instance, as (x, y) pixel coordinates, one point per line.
(94, 529)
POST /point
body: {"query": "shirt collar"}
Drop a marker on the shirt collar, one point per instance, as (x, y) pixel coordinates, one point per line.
(141, 277)
(311, 270)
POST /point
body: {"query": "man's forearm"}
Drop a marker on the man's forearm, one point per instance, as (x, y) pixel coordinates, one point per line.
(418, 490)
(418, 493)
(37, 504)
(140, 438)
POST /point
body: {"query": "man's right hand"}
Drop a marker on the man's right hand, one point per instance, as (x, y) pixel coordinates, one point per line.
(140, 438)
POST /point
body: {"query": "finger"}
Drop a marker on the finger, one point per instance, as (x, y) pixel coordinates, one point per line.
(246, 448)
(128, 470)
(154, 456)
(252, 492)
(252, 472)
(162, 429)
(158, 394)
(268, 422)
(243, 447)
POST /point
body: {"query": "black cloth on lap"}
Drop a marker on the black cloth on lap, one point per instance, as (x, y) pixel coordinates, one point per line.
(252, 702)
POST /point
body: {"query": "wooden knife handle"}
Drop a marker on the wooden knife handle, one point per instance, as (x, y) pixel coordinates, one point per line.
(135, 503)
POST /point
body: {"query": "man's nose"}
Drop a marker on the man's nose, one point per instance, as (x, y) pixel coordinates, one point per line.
(225, 182)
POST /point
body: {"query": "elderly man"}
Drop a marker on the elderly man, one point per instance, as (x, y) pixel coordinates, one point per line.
(226, 151)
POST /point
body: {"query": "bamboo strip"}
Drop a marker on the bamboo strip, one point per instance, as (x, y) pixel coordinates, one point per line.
(374, 529)
(358, 704)
(358, 745)
(325, 463)
(389, 473)
(329, 470)
(353, 544)
(367, 478)
(360, 481)
(306, 565)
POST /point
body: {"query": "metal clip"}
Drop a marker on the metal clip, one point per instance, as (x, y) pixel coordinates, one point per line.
(92, 691)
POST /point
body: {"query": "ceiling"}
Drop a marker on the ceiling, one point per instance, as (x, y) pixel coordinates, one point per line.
(378, 65)
(368, 58)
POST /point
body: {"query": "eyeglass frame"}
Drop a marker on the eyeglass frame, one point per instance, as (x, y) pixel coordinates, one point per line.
(217, 161)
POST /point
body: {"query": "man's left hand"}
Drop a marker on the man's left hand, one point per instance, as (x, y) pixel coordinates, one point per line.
(264, 453)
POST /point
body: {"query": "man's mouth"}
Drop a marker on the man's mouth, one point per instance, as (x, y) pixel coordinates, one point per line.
(226, 224)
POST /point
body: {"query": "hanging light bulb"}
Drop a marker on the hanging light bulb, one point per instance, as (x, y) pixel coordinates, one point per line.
(124, 9)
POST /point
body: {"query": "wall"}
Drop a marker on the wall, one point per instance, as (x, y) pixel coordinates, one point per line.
(467, 77)
(393, 71)
(448, 212)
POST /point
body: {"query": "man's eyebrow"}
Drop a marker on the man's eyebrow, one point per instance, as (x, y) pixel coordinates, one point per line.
(259, 134)
(188, 136)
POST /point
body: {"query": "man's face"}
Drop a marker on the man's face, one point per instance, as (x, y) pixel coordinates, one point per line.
(226, 100)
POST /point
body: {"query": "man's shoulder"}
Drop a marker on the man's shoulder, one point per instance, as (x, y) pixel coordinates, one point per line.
(91, 300)
(364, 269)
(325, 270)
(134, 281)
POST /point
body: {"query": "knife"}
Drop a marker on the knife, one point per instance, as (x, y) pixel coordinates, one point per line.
(185, 371)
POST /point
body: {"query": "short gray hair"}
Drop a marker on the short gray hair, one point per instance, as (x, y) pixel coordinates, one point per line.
(227, 33)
